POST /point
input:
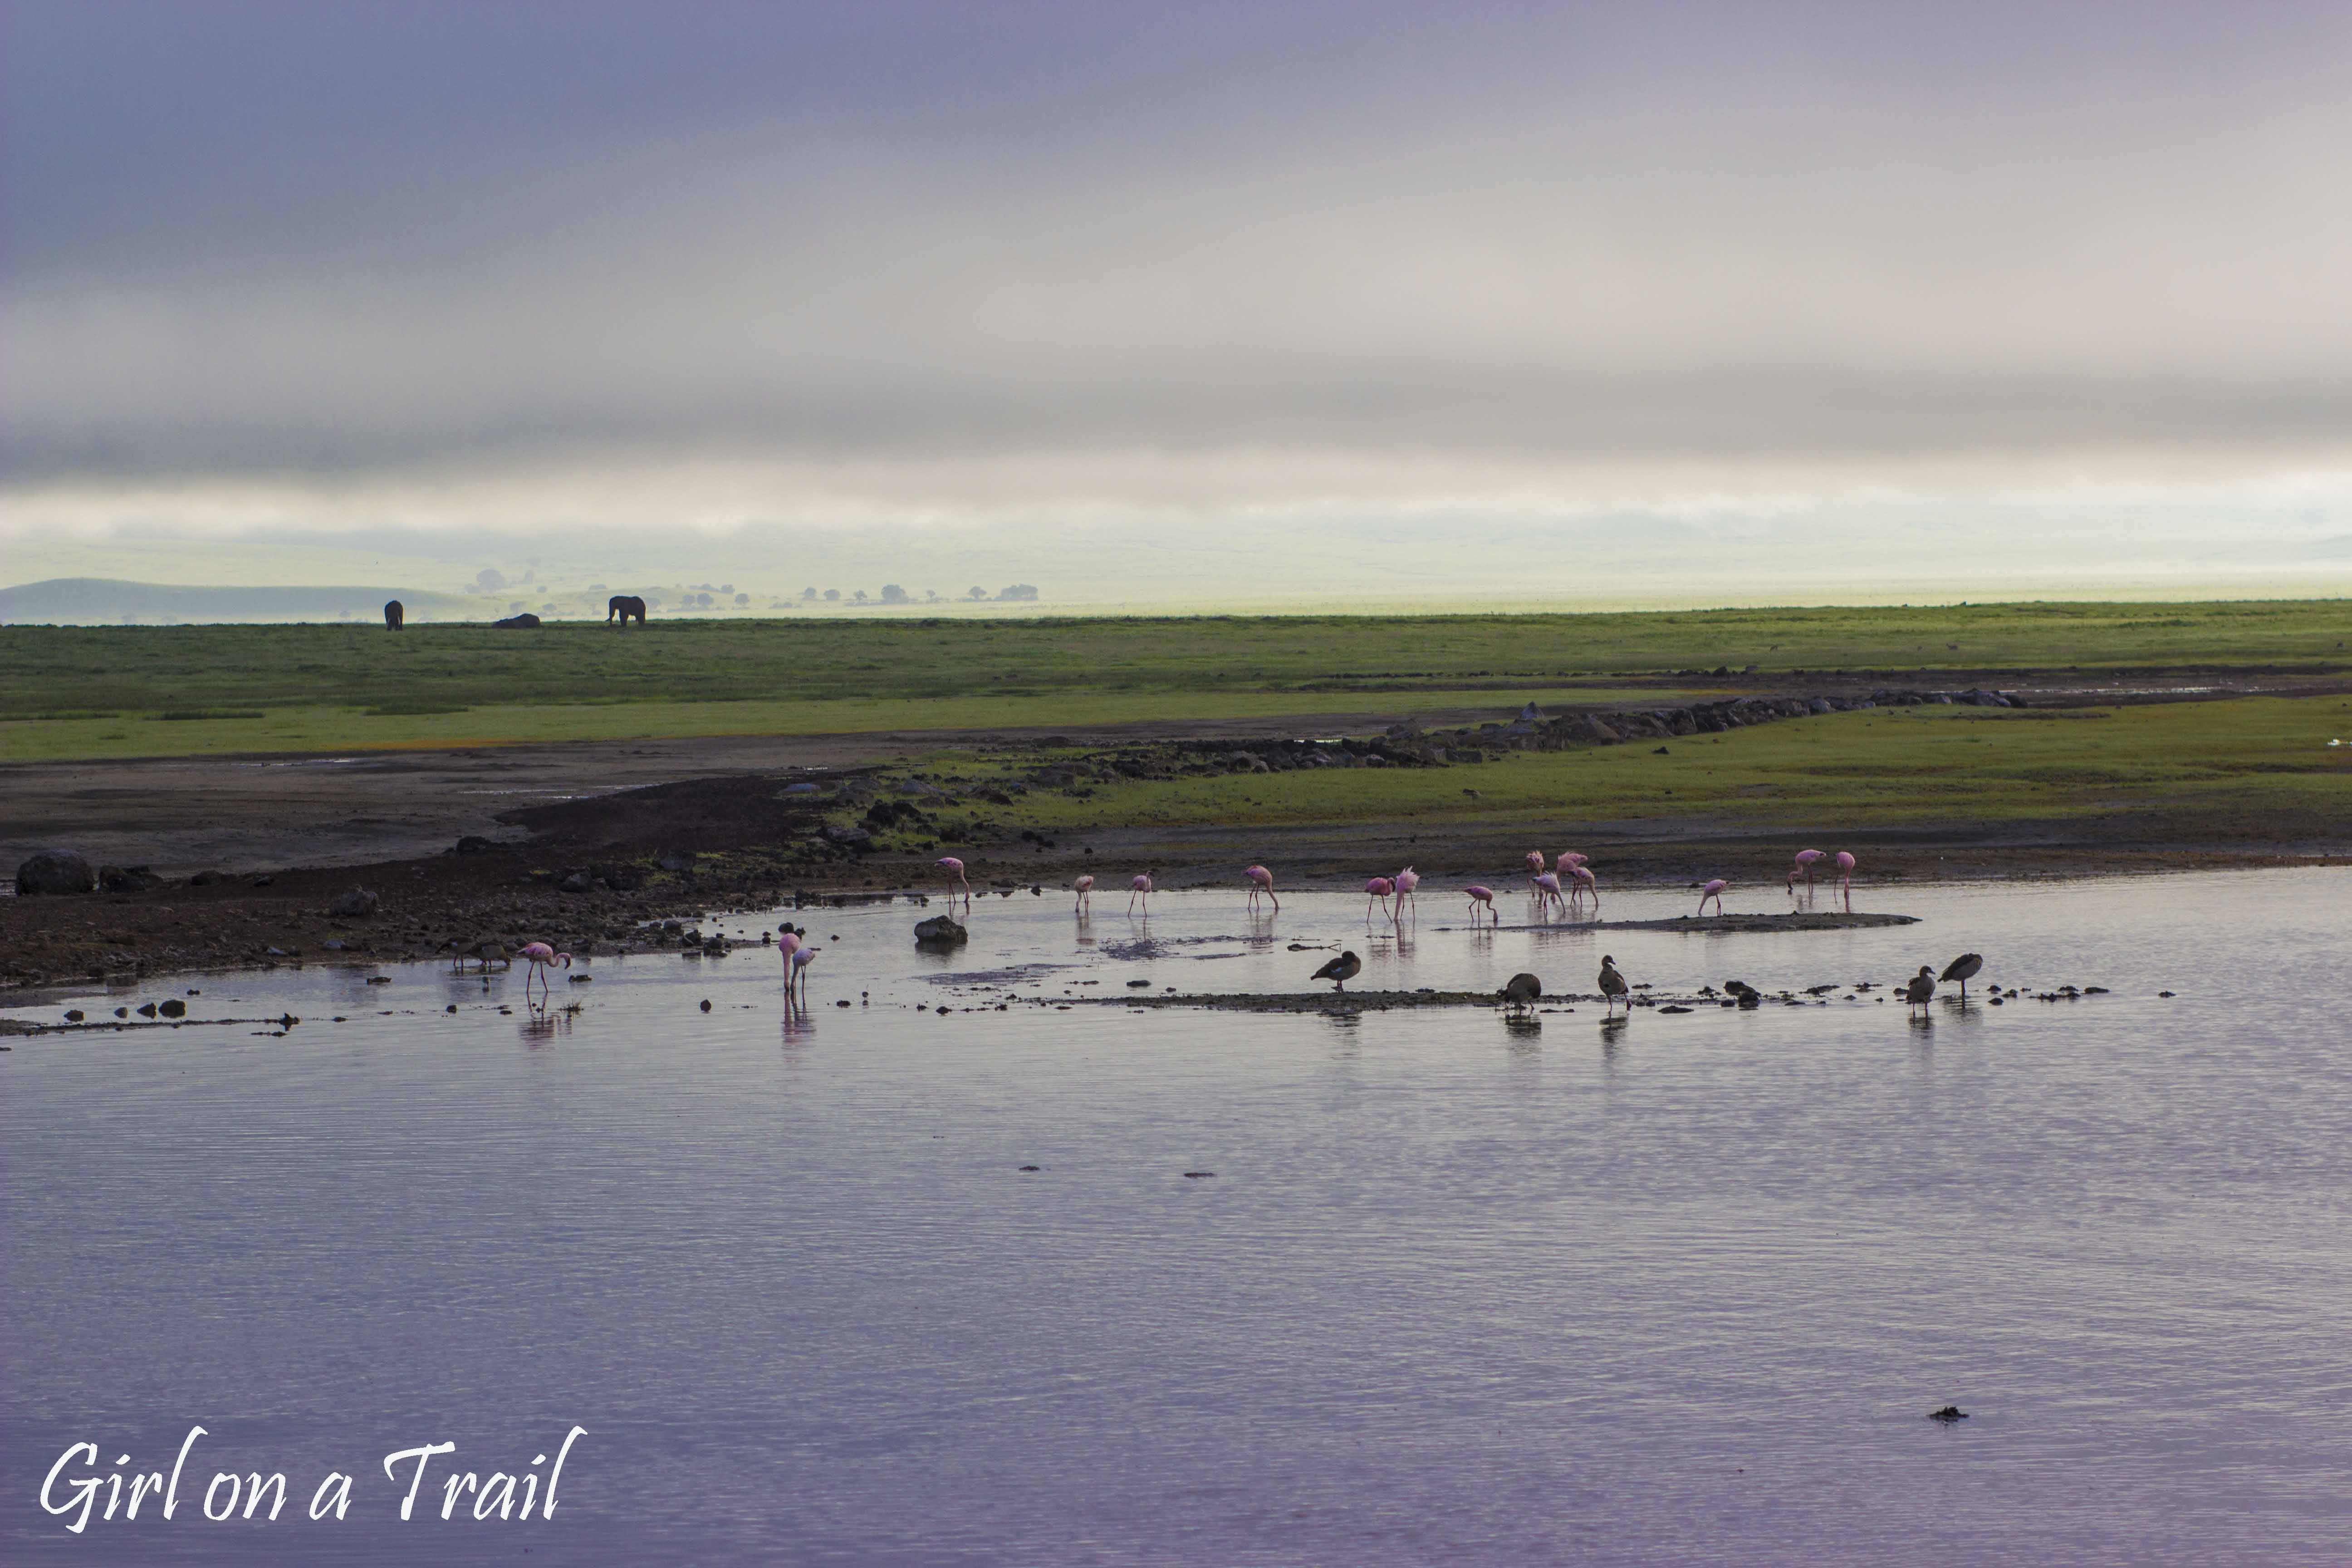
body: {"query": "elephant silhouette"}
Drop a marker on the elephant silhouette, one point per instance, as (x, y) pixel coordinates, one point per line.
(393, 615)
(625, 606)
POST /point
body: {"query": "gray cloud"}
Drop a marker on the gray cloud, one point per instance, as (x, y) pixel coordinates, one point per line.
(964, 256)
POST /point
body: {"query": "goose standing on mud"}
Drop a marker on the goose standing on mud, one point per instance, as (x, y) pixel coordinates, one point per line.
(1341, 970)
(1922, 989)
(1963, 968)
(1261, 881)
(1519, 992)
(1612, 985)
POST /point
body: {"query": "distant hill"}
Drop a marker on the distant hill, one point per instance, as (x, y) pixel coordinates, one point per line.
(102, 600)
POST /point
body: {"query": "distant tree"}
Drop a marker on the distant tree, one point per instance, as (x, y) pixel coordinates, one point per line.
(742, 598)
(491, 579)
(861, 595)
(833, 592)
(930, 595)
(1019, 591)
(977, 594)
(597, 588)
(703, 600)
(726, 587)
(808, 593)
(653, 601)
(893, 594)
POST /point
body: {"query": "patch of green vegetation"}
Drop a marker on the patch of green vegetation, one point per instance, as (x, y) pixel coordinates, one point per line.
(2254, 761)
(347, 686)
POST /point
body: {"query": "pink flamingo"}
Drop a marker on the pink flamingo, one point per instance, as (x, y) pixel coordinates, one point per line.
(1378, 887)
(1406, 881)
(1261, 881)
(1713, 889)
(1535, 862)
(1804, 867)
(1585, 884)
(954, 868)
(542, 958)
(1477, 896)
(1139, 888)
(797, 975)
(1846, 878)
(1569, 860)
(1084, 889)
(1546, 891)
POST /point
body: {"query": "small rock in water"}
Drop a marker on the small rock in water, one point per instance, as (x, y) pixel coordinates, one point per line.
(2164, 993)
(450, 1009)
(706, 1004)
(174, 1008)
(1674, 1009)
(122, 1012)
(1949, 1414)
(845, 1002)
(1133, 983)
(73, 1015)
(1029, 1167)
(1198, 1176)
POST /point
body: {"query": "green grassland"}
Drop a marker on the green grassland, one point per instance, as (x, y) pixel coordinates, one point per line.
(2247, 769)
(70, 691)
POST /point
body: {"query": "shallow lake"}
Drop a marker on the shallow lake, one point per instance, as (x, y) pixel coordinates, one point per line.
(1681, 1288)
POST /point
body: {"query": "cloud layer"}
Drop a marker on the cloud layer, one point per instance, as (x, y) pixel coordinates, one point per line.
(951, 262)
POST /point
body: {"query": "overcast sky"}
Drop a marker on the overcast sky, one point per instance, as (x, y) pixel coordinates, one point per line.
(1338, 291)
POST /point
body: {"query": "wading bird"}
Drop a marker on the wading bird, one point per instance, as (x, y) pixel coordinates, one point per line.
(1519, 992)
(1548, 894)
(1804, 867)
(796, 976)
(1084, 887)
(1406, 881)
(1963, 968)
(1139, 888)
(542, 958)
(1585, 884)
(954, 868)
(1712, 891)
(787, 941)
(1378, 887)
(1569, 860)
(1341, 970)
(1846, 878)
(1922, 989)
(1613, 988)
(1535, 862)
(1261, 881)
(1478, 896)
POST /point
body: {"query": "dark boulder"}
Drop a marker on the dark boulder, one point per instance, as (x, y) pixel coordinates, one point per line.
(127, 879)
(352, 905)
(941, 932)
(54, 871)
(577, 882)
(474, 844)
(524, 621)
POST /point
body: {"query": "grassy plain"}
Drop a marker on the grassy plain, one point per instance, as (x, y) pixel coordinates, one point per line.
(71, 693)
(2253, 768)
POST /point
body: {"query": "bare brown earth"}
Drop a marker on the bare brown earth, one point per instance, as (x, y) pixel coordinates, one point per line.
(279, 838)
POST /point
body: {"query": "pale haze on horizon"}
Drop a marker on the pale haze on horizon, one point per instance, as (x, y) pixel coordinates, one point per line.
(1253, 305)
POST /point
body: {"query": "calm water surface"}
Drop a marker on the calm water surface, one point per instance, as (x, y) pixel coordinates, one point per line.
(1681, 1290)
